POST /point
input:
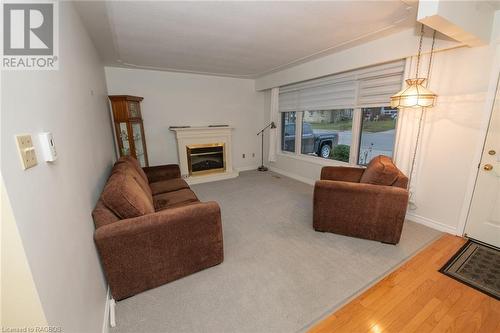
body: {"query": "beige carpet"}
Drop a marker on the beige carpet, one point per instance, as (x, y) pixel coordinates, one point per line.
(279, 275)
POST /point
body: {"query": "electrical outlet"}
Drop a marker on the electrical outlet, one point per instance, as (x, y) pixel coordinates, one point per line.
(243, 155)
(26, 151)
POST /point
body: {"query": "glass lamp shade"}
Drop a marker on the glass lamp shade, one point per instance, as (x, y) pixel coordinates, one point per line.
(415, 95)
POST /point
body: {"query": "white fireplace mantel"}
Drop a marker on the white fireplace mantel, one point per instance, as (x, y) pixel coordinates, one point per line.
(187, 136)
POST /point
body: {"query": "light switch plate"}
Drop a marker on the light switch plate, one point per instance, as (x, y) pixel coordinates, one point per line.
(26, 151)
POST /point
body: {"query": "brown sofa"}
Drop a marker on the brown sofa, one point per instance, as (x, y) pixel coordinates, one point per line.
(366, 203)
(152, 229)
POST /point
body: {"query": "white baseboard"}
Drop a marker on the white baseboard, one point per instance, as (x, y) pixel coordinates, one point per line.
(247, 168)
(105, 323)
(431, 223)
(292, 175)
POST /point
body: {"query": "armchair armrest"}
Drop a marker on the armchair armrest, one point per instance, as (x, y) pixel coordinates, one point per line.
(147, 251)
(359, 190)
(360, 210)
(162, 172)
(346, 174)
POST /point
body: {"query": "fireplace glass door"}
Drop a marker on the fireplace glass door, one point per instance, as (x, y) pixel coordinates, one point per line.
(204, 159)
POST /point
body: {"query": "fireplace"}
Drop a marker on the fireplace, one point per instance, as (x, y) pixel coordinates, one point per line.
(206, 158)
(205, 153)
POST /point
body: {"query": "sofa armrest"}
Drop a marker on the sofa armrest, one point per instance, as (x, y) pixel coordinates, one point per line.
(147, 251)
(360, 210)
(162, 172)
(345, 174)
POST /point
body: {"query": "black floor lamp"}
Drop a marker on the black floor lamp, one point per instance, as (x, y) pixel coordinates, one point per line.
(262, 167)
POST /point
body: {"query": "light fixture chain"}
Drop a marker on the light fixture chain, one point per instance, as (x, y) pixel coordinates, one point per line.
(419, 49)
(414, 158)
(430, 58)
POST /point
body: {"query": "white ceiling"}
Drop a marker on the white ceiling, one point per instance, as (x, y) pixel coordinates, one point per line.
(240, 39)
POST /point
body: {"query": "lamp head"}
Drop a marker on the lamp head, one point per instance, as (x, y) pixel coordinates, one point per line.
(273, 125)
(415, 95)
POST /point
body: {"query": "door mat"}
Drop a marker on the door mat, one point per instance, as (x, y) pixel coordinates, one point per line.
(476, 265)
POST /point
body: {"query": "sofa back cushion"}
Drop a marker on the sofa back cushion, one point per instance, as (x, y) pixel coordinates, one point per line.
(380, 171)
(126, 167)
(135, 165)
(125, 197)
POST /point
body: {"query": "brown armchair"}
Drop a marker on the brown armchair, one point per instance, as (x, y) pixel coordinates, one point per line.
(366, 203)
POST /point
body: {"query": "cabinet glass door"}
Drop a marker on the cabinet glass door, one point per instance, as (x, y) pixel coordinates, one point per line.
(123, 135)
(138, 143)
(133, 110)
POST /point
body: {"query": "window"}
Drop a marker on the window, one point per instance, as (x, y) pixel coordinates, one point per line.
(288, 131)
(344, 117)
(327, 134)
(377, 133)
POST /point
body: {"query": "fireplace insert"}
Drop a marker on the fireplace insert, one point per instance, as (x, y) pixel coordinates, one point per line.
(206, 158)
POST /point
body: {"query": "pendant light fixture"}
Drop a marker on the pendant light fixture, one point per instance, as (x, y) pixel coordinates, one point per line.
(416, 94)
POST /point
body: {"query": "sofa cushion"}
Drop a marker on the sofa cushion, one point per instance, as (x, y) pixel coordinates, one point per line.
(174, 199)
(125, 197)
(135, 165)
(127, 168)
(168, 185)
(380, 171)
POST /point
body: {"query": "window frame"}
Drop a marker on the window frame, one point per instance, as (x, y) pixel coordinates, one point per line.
(357, 123)
(279, 128)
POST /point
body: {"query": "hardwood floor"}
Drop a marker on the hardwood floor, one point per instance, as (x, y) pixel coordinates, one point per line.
(417, 298)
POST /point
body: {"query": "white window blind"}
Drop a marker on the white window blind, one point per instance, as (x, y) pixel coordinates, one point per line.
(366, 87)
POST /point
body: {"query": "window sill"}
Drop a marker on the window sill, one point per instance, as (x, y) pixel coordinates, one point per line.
(315, 160)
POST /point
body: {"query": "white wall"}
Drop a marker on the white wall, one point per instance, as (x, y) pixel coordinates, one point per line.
(174, 99)
(470, 22)
(20, 304)
(52, 203)
(396, 46)
(452, 135)
(462, 77)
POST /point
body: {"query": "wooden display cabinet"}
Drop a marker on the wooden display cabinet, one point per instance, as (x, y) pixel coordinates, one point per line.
(129, 128)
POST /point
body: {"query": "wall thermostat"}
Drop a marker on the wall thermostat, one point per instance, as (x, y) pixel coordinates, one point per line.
(48, 147)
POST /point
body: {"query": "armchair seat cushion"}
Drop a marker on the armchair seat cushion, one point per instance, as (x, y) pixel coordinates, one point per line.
(380, 171)
(168, 185)
(174, 199)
